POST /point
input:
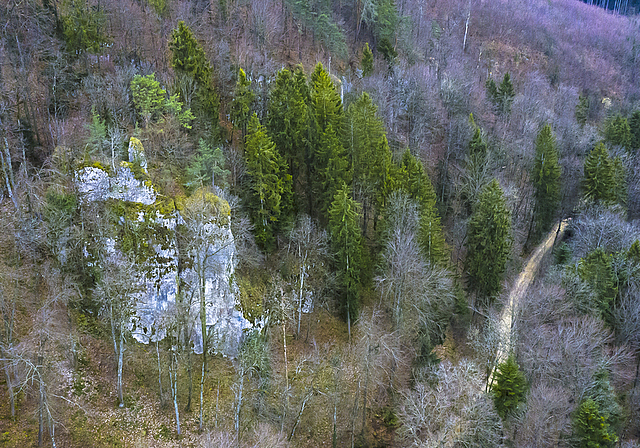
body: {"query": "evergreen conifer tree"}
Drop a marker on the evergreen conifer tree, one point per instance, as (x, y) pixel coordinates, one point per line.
(346, 241)
(617, 131)
(327, 136)
(591, 428)
(415, 182)
(288, 120)
(599, 176)
(188, 58)
(369, 155)
(268, 189)
(546, 179)
(582, 110)
(243, 96)
(596, 270)
(478, 148)
(634, 128)
(509, 388)
(367, 60)
(488, 243)
(620, 180)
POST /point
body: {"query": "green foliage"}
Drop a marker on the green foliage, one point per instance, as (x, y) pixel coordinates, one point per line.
(562, 254)
(151, 102)
(413, 180)
(502, 95)
(97, 131)
(317, 17)
(207, 165)
(488, 238)
(546, 179)
(582, 110)
(478, 148)
(243, 97)
(620, 181)
(370, 155)
(591, 428)
(188, 57)
(333, 169)
(268, 188)
(509, 388)
(288, 119)
(328, 166)
(633, 254)
(617, 131)
(634, 129)
(596, 270)
(389, 53)
(367, 60)
(599, 176)
(159, 6)
(346, 242)
(82, 26)
(148, 96)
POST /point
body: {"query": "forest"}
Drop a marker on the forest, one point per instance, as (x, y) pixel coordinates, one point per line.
(287, 223)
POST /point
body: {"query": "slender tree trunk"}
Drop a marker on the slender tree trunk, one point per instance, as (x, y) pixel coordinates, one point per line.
(173, 379)
(120, 364)
(190, 375)
(160, 374)
(239, 407)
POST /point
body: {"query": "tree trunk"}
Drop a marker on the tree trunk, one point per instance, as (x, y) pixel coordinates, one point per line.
(120, 363)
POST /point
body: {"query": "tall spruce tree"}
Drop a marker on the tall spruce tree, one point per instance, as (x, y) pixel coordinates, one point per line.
(243, 96)
(328, 128)
(268, 190)
(367, 60)
(509, 388)
(599, 176)
(634, 128)
(617, 131)
(288, 120)
(591, 428)
(415, 182)
(488, 243)
(346, 241)
(478, 148)
(546, 179)
(188, 58)
(369, 153)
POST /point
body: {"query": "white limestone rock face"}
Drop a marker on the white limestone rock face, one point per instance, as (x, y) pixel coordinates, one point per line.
(156, 304)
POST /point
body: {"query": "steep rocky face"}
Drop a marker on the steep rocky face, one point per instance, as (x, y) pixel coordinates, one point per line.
(167, 287)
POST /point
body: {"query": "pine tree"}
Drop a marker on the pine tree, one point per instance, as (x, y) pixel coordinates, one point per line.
(488, 238)
(591, 428)
(478, 148)
(620, 180)
(148, 96)
(369, 153)
(546, 179)
(287, 120)
(634, 128)
(596, 270)
(617, 131)
(501, 96)
(328, 127)
(207, 167)
(268, 186)
(582, 110)
(599, 176)
(188, 58)
(509, 388)
(346, 241)
(82, 27)
(633, 254)
(243, 96)
(413, 180)
(367, 60)
(335, 173)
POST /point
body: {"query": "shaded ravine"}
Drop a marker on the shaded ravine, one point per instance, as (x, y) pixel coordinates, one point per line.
(519, 289)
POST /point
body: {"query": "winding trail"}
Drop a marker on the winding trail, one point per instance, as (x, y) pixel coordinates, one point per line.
(519, 289)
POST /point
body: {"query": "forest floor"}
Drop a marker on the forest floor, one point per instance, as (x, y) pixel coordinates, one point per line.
(520, 287)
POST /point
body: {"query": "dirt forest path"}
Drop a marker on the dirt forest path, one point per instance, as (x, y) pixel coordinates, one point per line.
(519, 289)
